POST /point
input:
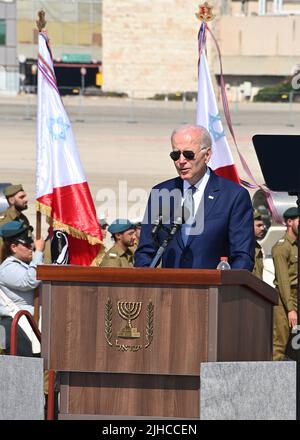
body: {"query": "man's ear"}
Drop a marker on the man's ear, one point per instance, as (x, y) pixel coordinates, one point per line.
(11, 200)
(208, 154)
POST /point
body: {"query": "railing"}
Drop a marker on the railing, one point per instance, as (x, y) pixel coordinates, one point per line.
(13, 352)
(14, 326)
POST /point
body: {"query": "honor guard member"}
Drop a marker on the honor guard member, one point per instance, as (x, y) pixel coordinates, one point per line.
(120, 255)
(259, 231)
(99, 257)
(18, 280)
(138, 227)
(18, 202)
(285, 257)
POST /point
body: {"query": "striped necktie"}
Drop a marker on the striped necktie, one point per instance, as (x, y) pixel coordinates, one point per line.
(189, 205)
(188, 213)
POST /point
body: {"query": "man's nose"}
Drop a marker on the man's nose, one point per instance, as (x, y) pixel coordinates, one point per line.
(181, 159)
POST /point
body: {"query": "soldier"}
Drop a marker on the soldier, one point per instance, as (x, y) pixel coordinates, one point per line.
(285, 257)
(99, 257)
(18, 202)
(120, 255)
(138, 228)
(259, 231)
(18, 279)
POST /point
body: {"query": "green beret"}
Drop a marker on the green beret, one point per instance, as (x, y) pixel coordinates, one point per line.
(256, 215)
(17, 231)
(11, 190)
(291, 213)
(120, 225)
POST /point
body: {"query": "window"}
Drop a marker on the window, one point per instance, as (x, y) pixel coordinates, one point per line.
(2, 32)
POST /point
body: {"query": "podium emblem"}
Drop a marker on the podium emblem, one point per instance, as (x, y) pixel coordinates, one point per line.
(129, 311)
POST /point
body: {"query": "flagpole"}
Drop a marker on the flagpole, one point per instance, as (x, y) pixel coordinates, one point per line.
(41, 23)
(38, 228)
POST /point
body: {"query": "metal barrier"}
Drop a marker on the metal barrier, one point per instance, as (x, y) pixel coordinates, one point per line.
(140, 106)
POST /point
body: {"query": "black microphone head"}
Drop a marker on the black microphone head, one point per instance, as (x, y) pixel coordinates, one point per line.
(176, 225)
(157, 225)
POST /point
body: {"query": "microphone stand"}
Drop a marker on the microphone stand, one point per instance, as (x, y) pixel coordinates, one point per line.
(162, 248)
(156, 228)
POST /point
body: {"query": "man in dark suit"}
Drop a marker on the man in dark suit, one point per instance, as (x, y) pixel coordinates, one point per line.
(218, 215)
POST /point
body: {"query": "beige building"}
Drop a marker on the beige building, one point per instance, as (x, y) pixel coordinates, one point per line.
(150, 46)
(74, 28)
(9, 72)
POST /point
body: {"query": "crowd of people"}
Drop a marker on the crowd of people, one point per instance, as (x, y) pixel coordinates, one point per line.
(208, 217)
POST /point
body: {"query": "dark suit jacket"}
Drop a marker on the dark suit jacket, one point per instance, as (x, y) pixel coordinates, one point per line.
(228, 227)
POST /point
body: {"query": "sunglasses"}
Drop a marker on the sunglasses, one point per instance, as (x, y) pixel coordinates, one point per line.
(188, 154)
(25, 244)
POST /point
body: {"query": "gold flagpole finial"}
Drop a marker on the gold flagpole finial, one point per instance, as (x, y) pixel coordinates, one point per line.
(205, 12)
(41, 22)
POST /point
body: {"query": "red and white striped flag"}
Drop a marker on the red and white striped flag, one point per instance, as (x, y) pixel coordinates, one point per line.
(209, 117)
(62, 191)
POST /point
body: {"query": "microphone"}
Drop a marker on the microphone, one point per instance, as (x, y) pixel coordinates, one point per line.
(157, 226)
(176, 225)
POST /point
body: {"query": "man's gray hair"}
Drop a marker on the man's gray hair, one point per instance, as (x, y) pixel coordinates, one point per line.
(202, 135)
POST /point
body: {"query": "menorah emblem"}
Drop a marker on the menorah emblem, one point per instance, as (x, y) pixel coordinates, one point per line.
(129, 311)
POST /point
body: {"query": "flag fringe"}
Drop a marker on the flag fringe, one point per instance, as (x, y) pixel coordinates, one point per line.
(46, 210)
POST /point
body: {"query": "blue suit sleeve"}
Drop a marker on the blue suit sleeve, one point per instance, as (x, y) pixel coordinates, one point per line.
(241, 233)
(147, 246)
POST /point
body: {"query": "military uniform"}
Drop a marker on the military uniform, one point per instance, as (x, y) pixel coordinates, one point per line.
(285, 257)
(258, 265)
(17, 283)
(99, 257)
(10, 214)
(117, 257)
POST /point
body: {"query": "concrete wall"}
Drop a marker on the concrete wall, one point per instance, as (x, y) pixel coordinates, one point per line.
(248, 391)
(149, 46)
(21, 388)
(259, 45)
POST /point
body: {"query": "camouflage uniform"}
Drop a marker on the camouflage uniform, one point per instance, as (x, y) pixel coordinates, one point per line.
(285, 256)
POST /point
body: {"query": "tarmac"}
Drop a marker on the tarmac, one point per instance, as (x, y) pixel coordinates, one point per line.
(124, 144)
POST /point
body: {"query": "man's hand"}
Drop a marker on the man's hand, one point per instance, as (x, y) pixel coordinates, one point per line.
(292, 317)
(39, 244)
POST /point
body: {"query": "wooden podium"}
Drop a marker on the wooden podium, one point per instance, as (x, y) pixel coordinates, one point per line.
(129, 342)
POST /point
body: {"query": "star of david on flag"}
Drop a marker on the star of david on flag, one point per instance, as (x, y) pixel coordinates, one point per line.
(62, 191)
(209, 117)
